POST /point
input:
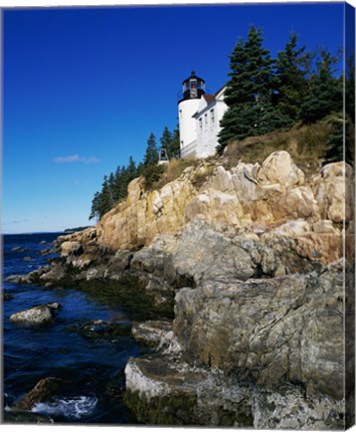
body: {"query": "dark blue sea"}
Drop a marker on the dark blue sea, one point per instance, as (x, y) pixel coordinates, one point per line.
(93, 366)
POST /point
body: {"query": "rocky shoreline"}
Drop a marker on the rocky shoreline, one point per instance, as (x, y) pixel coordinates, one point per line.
(242, 282)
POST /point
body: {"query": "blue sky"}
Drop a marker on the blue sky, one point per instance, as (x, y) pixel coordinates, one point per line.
(84, 87)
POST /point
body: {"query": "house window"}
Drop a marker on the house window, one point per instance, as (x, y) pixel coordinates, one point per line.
(180, 113)
(200, 124)
(212, 116)
(206, 120)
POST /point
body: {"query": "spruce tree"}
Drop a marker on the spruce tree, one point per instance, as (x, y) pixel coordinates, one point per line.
(131, 170)
(102, 201)
(291, 83)
(95, 207)
(117, 183)
(325, 93)
(350, 88)
(334, 146)
(166, 139)
(249, 90)
(170, 141)
(151, 155)
(175, 145)
(123, 183)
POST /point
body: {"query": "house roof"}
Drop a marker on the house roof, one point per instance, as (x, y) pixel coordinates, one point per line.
(209, 99)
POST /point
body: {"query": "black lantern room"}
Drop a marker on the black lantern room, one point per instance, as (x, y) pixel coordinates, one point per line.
(193, 87)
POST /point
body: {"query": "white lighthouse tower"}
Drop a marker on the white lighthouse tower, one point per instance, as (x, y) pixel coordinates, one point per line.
(193, 89)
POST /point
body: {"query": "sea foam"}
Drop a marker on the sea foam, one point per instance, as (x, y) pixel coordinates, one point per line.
(75, 408)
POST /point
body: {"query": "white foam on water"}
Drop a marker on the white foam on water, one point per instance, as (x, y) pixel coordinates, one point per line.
(74, 408)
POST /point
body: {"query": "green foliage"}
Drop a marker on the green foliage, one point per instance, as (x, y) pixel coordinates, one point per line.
(152, 174)
(114, 189)
(264, 95)
(291, 82)
(170, 141)
(339, 143)
(350, 88)
(151, 155)
(172, 171)
(166, 139)
(249, 90)
(335, 141)
(325, 91)
(174, 150)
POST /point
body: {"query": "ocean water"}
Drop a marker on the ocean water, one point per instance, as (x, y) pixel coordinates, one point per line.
(94, 367)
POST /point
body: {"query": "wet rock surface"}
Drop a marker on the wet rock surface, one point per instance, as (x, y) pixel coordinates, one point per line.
(99, 329)
(163, 391)
(151, 332)
(44, 391)
(41, 314)
(47, 251)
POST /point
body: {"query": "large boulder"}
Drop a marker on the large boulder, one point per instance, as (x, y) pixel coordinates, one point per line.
(279, 168)
(70, 248)
(334, 189)
(205, 254)
(268, 331)
(161, 390)
(216, 207)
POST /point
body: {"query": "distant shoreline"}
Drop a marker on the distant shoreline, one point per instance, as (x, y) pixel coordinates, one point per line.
(65, 231)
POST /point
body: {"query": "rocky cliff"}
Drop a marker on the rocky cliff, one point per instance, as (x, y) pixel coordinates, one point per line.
(250, 264)
(240, 199)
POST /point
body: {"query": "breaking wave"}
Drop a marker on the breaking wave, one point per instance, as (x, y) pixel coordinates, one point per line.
(72, 408)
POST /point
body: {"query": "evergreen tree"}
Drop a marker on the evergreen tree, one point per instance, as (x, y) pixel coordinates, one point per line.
(335, 142)
(151, 155)
(114, 189)
(106, 200)
(131, 170)
(350, 88)
(102, 201)
(117, 183)
(170, 141)
(95, 207)
(111, 188)
(174, 149)
(339, 143)
(123, 183)
(249, 90)
(139, 168)
(291, 79)
(325, 94)
(166, 139)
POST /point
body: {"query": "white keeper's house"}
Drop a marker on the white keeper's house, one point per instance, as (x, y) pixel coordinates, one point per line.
(199, 118)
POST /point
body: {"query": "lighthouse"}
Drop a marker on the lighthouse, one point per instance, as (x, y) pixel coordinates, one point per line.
(188, 104)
